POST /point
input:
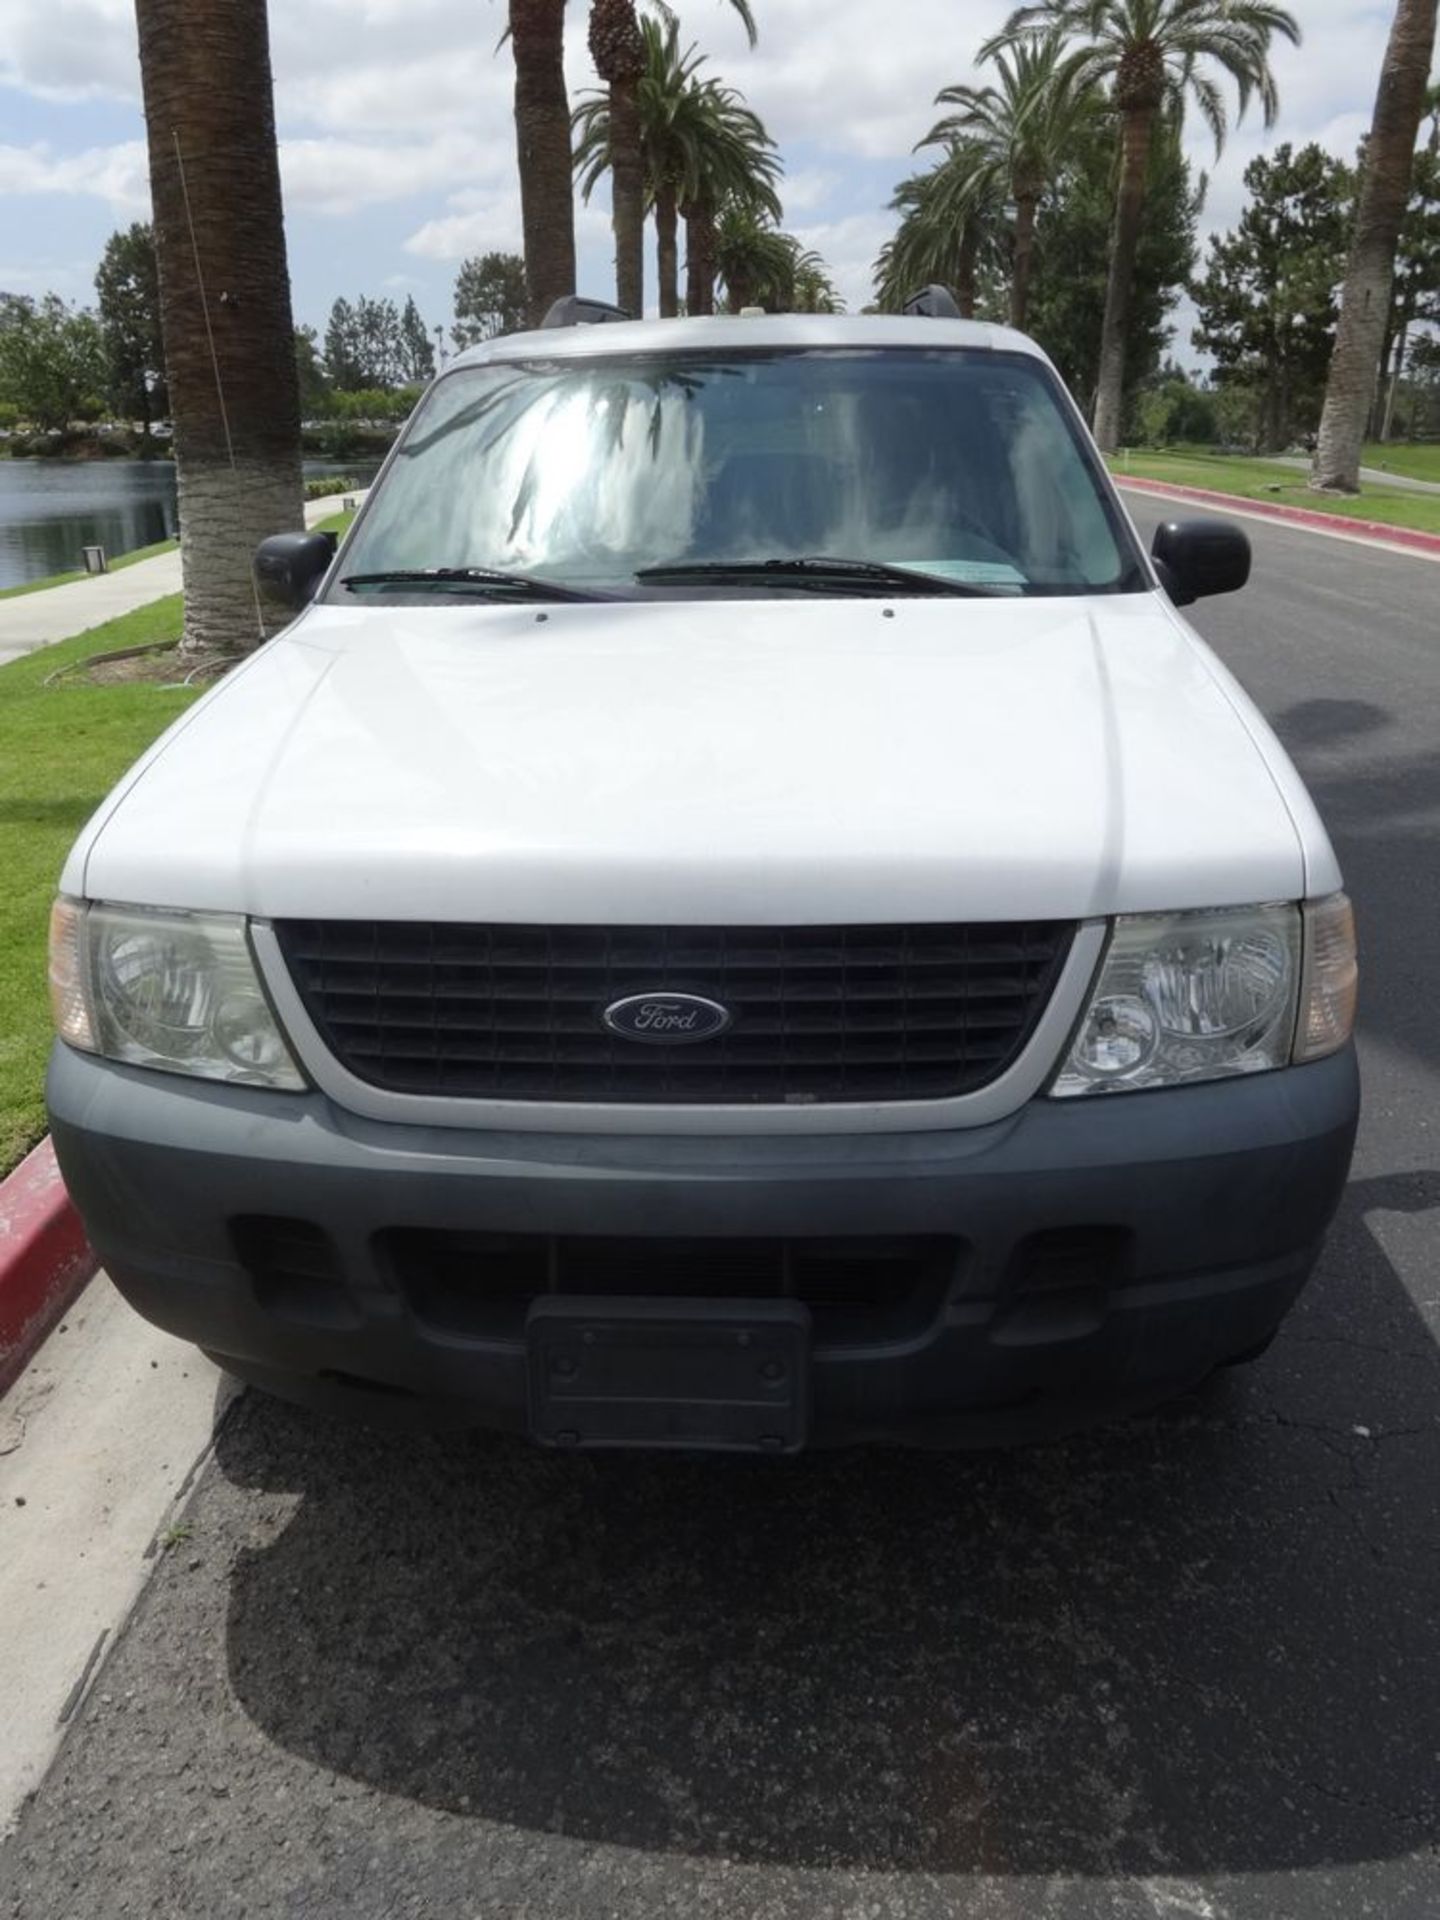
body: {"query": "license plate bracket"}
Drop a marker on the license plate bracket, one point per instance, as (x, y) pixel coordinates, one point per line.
(710, 1375)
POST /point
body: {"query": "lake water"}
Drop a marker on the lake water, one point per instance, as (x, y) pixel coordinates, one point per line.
(50, 509)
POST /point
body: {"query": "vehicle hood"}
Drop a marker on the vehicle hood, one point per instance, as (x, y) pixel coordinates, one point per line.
(752, 762)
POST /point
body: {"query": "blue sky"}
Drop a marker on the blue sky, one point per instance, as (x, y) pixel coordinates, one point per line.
(397, 143)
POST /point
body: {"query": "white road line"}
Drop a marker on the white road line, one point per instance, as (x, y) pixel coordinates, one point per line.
(98, 1441)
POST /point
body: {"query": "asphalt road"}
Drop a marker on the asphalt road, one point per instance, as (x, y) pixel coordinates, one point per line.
(1189, 1667)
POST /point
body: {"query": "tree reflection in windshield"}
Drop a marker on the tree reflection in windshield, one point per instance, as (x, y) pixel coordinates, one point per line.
(589, 469)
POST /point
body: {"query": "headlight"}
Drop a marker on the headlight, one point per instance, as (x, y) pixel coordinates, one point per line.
(178, 991)
(1189, 996)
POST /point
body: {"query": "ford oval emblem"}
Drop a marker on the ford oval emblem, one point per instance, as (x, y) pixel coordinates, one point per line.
(667, 1019)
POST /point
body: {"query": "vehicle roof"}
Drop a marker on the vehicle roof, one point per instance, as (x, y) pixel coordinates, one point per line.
(731, 332)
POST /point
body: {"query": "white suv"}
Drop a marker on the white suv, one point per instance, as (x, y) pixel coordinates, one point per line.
(737, 913)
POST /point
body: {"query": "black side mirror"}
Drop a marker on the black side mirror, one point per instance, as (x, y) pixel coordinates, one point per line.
(1198, 557)
(290, 566)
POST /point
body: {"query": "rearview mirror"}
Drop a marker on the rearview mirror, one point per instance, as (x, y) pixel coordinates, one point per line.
(1198, 557)
(290, 566)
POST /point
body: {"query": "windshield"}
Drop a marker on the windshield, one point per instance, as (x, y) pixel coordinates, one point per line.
(588, 472)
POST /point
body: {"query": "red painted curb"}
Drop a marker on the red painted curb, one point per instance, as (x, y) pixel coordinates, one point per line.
(1377, 530)
(45, 1258)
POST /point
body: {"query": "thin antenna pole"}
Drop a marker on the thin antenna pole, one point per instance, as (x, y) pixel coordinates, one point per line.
(214, 355)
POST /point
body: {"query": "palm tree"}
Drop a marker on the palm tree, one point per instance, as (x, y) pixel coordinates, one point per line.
(763, 267)
(699, 141)
(617, 47)
(952, 222)
(720, 152)
(1015, 138)
(812, 289)
(224, 298)
(752, 258)
(1369, 276)
(746, 205)
(542, 140)
(1152, 55)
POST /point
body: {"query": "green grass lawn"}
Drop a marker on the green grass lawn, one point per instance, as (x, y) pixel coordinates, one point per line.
(337, 523)
(61, 750)
(1249, 479)
(64, 579)
(1398, 456)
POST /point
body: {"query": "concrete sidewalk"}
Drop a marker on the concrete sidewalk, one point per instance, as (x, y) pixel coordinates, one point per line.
(33, 620)
(98, 1443)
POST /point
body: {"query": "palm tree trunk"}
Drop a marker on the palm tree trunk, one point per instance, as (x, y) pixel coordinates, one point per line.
(965, 270)
(1135, 135)
(1365, 298)
(627, 188)
(542, 143)
(740, 288)
(224, 300)
(699, 259)
(690, 215)
(667, 252)
(1025, 204)
(617, 47)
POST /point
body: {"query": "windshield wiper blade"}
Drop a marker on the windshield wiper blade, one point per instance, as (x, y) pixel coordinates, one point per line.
(444, 579)
(814, 570)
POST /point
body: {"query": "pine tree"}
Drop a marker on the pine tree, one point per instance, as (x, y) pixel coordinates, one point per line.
(417, 350)
(342, 348)
(490, 298)
(127, 288)
(1266, 301)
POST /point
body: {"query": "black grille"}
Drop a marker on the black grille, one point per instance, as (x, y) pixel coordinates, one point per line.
(820, 1014)
(481, 1285)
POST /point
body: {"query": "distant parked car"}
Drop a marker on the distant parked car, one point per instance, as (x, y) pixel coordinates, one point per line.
(738, 912)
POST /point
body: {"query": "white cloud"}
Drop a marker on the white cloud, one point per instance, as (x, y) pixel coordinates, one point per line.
(850, 78)
(454, 236)
(321, 175)
(810, 188)
(334, 176)
(848, 247)
(455, 86)
(70, 50)
(118, 175)
(480, 223)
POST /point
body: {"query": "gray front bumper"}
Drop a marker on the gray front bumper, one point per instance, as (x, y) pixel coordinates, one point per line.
(1215, 1199)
